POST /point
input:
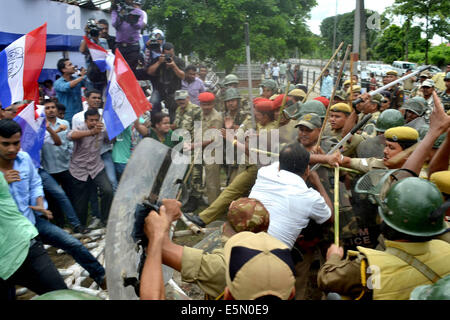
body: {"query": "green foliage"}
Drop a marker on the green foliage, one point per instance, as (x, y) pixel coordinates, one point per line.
(438, 55)
(344, 30)
(214, 29)
(389, 46)
(436, 11)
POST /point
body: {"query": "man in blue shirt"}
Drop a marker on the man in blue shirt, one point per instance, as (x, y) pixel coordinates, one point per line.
(26, 188)
(55, 157)
(327, 85)
(68, 88)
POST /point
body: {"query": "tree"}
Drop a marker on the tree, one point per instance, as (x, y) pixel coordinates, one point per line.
(397, 43)
(435, 13)
(344, 30)
(390, 45)
(215, 28)
(438, 55)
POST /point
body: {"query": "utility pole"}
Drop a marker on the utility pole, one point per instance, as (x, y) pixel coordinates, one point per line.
(357, 28)
(363, 30)
(356, 39)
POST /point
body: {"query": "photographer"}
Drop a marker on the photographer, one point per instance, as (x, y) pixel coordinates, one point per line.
(104, 33)
(167, 72)
(95, 78)
(128, 22)
(153, 46)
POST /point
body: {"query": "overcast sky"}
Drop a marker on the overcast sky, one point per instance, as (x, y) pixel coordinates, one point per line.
(327, 8)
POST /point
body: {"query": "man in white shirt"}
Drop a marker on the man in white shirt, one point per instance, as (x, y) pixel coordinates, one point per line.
(276, 73)
(282, 189)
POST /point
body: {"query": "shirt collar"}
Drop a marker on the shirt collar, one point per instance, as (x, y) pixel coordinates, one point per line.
(288, 178)
(20, 157)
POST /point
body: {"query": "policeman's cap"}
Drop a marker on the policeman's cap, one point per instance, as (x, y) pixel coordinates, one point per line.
(401, 134)
(181, 94)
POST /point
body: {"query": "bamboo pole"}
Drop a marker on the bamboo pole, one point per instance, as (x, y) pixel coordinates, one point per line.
(341, 69)
(188, 232)
(323, 71)
(336, 206)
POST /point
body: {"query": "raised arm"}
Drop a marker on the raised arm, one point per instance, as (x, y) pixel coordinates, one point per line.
(439, 123)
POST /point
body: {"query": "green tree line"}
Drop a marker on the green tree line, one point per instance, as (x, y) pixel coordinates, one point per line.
(213, 30)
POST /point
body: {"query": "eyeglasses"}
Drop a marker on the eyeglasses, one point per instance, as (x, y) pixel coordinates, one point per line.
(384, 101)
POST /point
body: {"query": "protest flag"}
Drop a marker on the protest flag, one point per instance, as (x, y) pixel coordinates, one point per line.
(20, 66)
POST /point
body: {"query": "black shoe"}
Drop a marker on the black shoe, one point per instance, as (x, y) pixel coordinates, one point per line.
(195, 219)
(81, 229)
(103, 284)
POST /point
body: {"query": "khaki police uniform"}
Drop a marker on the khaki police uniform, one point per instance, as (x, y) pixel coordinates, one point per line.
(241, 184)
(185, 119)
(395, 279)
(212, 171)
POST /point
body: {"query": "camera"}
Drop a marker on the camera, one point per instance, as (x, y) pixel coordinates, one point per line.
(168, 58)
(94, 29)
(154, 45)
(125, 12)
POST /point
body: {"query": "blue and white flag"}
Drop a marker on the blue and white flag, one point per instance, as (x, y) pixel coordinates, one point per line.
(125, 100)
(33, 132)
(20, 66)
(102, 58)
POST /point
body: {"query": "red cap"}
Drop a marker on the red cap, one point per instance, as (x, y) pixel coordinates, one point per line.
(279, 100)
(324, 100)
(264, 105)
(206, 97)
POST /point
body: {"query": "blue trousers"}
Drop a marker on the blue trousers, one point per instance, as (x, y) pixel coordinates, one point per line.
(52, 187)
(110, 169)
(58, 238)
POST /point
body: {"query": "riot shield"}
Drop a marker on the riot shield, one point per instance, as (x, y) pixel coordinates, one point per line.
(151, 164)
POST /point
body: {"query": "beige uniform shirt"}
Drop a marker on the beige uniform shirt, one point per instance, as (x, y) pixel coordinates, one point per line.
(207, 270)
(366, 164)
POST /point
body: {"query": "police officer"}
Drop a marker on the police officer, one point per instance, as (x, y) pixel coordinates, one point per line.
(334, 131)
(269, 88)
(397, 94)
(374, 146)
(234, 116)
(230, 81)
(371, 105)
(186, 115)
(397, 140)
(427, 88)
(355, 92)
(207, 270)
(414, 111)
(339, 96)
(297, 95)
(412, 214)
(445, 94)
(416, 92)
(347, 84)
(243, 182)
(211, 119)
